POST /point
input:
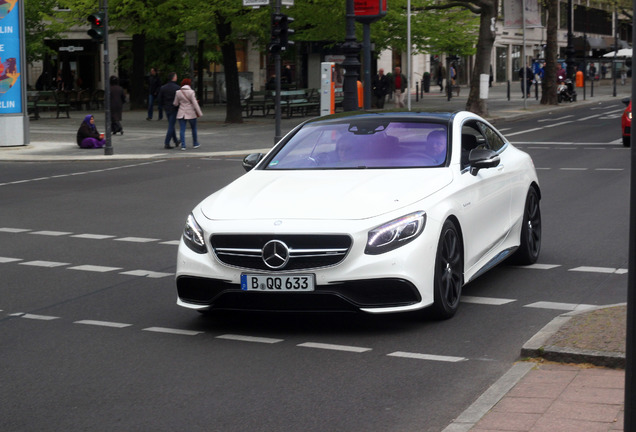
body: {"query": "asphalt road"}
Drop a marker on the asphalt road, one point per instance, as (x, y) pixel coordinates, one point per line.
(92, 339)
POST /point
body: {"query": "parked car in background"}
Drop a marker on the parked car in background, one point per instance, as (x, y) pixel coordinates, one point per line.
(373, 212)
(626, 122)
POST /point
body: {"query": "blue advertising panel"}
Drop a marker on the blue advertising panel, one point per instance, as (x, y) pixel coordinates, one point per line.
(10, 86)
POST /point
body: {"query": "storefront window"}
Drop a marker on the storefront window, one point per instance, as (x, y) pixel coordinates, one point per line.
(516, 62)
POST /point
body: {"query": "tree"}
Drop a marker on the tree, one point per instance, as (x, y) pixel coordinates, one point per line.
(548, 83)
(40, 25)
(487, 10)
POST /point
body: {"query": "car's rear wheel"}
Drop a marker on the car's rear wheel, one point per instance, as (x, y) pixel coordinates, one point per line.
(530, 241)
(626, 141)
(449, 272)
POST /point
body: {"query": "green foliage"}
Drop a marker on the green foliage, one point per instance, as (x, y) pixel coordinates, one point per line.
(40, 25)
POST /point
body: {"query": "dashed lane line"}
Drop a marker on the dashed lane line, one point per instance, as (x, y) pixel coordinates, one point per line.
(94, 268)
(486, 300)
(430, 357)
(334, 347)
(243, 338)
(560, 306)
(103, 323)
(608, 270)
(172, 331)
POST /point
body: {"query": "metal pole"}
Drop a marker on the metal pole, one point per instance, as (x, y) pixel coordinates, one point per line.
(366, 63)
(409, 67)
(351, 63)
(277, 72)
(108, 148)
(615, 51)
(524, 85)
(630, 402)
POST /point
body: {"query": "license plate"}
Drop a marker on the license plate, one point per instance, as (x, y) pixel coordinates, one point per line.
(298, 282)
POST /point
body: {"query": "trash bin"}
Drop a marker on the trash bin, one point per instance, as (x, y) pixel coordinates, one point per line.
(579, 79)
(426, 82)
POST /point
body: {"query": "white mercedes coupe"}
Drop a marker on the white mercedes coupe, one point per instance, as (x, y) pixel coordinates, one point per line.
(373, 212)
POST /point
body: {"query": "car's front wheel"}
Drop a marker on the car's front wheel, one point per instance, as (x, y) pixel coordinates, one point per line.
(449, 272)
(530, 241)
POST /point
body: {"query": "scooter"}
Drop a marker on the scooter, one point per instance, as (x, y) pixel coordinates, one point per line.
(565, 90)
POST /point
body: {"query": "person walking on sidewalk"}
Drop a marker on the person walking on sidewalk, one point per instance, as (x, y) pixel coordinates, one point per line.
(154, 84)
(165, 100)
(117, 99)
(189, 111)
(380, 87)
(398, 85)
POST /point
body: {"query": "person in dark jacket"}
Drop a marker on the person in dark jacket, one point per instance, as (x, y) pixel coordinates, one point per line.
(117, 99)
(165, 101)
(154, 84)
(380, 86)
(88, 135)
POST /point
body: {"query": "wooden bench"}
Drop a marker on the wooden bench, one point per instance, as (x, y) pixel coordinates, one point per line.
(298, 101)
(57, 100)
(258, 101)
(32, 104)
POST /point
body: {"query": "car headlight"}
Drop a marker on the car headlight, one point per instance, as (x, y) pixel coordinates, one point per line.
(193, 235)
(629, 115)
(395, 234)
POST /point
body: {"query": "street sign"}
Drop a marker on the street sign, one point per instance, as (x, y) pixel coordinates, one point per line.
(286, 2)
(255, 3)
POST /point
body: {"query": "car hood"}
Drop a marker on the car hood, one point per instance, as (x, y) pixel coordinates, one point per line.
(320, 194)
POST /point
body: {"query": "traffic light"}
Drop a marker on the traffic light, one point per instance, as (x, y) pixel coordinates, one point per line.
(286, 32)
(275, 45)
(97, 26)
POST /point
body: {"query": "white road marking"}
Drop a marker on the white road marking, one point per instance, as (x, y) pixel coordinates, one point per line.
(598, 270)
(557, 119)
(172, 331)
(94, 268)
(14, 230)
(334, 347)
(147, 273)
(51, 233)
(171, 242)
(559, 306)
(609, 169)
(573, 169)
(427, 357)
(39, 317)
(249, 339)
(49, 264)
(8, 260)
(486, 300)
(537, 266)
(136, 239)
(103, 323)
(93, 236)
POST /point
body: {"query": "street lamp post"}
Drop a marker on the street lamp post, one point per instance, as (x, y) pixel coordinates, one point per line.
(351, 63)
(569, 49)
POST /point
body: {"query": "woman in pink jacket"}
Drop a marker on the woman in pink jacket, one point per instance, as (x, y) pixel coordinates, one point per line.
(189, 110)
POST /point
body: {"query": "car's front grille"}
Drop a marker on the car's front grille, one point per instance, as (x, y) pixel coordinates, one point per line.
(306, 251)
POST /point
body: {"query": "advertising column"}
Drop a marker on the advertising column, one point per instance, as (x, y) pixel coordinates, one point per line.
(13, 118)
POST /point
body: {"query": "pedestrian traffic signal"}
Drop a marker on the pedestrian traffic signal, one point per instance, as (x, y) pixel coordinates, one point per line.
(97, 30)
(275, 45)
(286, 32)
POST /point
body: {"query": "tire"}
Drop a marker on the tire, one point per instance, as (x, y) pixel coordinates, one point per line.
(626, 141)
(449, 272)
(530, 240)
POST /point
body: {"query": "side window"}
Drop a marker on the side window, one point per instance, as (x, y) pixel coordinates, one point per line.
(494, 140)
(472, 138)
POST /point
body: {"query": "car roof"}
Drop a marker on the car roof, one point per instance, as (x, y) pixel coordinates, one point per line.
(434, 117)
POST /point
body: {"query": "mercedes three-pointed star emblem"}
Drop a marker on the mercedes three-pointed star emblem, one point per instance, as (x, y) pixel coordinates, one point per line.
(275, 254)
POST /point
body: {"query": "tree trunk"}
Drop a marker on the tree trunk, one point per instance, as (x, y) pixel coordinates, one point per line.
(233, 113)
(482, 59)
(137, 88)
(548, 83)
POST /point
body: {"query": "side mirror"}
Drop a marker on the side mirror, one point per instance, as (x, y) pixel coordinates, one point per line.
(251, 160)
(482, 158)
(626, 101)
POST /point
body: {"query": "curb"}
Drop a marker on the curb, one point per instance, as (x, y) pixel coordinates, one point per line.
(536, 346)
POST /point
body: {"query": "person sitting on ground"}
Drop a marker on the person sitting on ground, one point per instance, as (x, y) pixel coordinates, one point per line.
(87, 134)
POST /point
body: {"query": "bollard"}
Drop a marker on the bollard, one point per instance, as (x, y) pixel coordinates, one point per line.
(592, 89)
(508, 90)
(536, 90)
(417, 91)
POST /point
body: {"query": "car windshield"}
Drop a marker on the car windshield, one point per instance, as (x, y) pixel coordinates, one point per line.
(364, 143)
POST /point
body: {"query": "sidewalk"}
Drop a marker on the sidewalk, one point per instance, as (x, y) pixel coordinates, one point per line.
(54, 139)
(583, 392)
